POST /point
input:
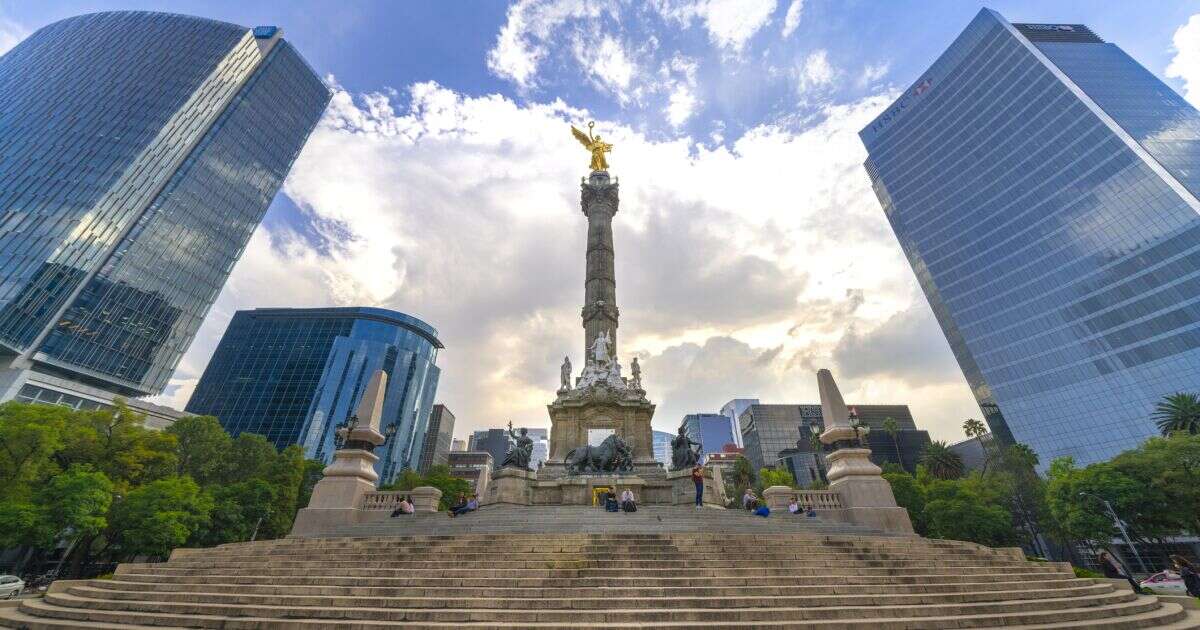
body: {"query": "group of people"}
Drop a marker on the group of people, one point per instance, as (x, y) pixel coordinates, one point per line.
(462, 505)
(627, 502)
(752, 503)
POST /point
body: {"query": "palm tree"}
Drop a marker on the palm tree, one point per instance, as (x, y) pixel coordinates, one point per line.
(977, 430)
(892, 428)
(941, 462)
(1178, 412)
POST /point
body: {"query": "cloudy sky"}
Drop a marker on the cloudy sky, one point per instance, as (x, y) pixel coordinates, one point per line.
(443, 182)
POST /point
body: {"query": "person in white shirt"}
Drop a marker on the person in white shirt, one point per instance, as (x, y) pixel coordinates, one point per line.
(627, 501)
(793, 507)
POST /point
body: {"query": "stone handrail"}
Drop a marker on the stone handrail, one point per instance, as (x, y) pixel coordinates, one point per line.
(382, 500)
(819, 499)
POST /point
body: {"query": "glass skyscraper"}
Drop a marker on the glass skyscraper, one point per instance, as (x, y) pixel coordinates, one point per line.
(712, 431)
(294, 374)
(138, 153)
(1043, 186)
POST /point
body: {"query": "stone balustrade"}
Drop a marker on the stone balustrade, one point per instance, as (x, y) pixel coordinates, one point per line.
(778, 497)
(424, 498)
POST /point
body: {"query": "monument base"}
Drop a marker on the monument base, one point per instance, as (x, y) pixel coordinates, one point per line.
(511, 485)
(683, 489)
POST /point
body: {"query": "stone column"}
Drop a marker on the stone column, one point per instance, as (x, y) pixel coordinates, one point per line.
(337, 497)
(866, 495)
(599, 204)
(425, 498)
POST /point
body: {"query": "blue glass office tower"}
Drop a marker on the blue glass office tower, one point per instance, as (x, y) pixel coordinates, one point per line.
(1043, 186)
(713, 431)
(294, 374)
(138, 153)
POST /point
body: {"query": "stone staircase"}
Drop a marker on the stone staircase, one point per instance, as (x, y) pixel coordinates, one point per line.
(649, 569)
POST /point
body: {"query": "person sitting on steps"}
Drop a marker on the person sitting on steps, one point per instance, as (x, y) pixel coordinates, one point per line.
(468, 506)
(628, 503)
(793, 507)
(405, 507)
(749, 501)
(1113, 570)
(610, 502)
(810, 512)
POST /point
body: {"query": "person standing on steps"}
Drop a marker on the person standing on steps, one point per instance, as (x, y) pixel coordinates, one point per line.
(698, 479)
(1191, 579)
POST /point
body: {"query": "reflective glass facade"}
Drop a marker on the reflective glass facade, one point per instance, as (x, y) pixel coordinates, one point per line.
(712, 431)
(293, 375)
(138, 152)
(1043, 187)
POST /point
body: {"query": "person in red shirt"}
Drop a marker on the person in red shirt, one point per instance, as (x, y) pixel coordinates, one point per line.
(698, 479)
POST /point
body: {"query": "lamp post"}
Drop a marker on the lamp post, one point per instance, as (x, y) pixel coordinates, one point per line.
(1120, 525)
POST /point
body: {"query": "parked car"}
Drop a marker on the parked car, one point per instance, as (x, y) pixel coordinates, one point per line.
(1165, 582)
(10, 586)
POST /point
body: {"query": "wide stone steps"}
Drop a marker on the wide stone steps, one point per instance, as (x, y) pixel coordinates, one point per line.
(645, 576)
(1138, 612)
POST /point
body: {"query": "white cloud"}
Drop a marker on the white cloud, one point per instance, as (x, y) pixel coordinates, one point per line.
(730, 23)
(872, 73)
(682, 105)
(11, 33)
(464, 211)
(607, 64)
(815, 71)
(1185, 65)
(680, 77)
(791, 20)
(520, 45)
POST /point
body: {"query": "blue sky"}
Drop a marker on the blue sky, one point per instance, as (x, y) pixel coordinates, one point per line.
(751, 250)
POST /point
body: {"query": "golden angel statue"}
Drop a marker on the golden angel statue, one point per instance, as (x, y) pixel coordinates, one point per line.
(593, 144)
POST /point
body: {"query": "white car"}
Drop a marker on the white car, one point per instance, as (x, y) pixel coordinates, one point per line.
(1166, 582)
(10, 586)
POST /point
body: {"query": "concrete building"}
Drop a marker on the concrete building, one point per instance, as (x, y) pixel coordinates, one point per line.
(493, 441)
(712, 431)
(294, 374)
(474, 466)
(733, 410)
(1044, 188)
(438, 438)
(140, 152)
(458, 446)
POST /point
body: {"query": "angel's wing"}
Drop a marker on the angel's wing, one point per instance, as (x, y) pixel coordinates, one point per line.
(581, 137)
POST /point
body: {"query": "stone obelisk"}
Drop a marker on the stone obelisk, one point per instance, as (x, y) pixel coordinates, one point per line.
(599, 204)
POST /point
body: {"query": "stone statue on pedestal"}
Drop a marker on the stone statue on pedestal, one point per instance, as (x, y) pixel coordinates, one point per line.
(682, 454)
(564, 375)
(613, 455)
(521, 452)
(600, 348)
(636, 371)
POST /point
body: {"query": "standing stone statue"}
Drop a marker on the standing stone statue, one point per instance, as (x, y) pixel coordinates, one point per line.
(564, 375)
(600, 348)
(521, 452)
(682, 455)
(636, 371)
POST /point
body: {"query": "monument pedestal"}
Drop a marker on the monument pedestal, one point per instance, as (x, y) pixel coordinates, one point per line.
(683, 489)
(511, 485)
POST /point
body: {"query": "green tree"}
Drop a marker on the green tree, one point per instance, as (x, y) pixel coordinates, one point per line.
(892, 428)
(314, 471)
(236, 511)
(117, 443)
(1178, 412)
(776, 477)
(250, 457)
(959, 510)
(438, 477)
(977, 430)
(75, 501)
(941, 462)
(29, 437)
(202, 446)
(910, 496)
(159, 516)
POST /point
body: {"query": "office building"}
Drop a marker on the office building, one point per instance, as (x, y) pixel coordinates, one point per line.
(458, 446)
(541, 446)
(662, 447)
(493, 441)
(1043, 186)
(438, 438)
(712, 431)
(773, 433)
(733, 410)
(294, 374)
(972, 452)
(474, 466)
(138, 153)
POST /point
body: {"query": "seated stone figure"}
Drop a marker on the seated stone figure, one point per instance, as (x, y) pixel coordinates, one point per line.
(521, 452)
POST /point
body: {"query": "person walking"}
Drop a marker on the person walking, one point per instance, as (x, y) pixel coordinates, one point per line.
(1113, 570)
(698, 479)
(1191, 579)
